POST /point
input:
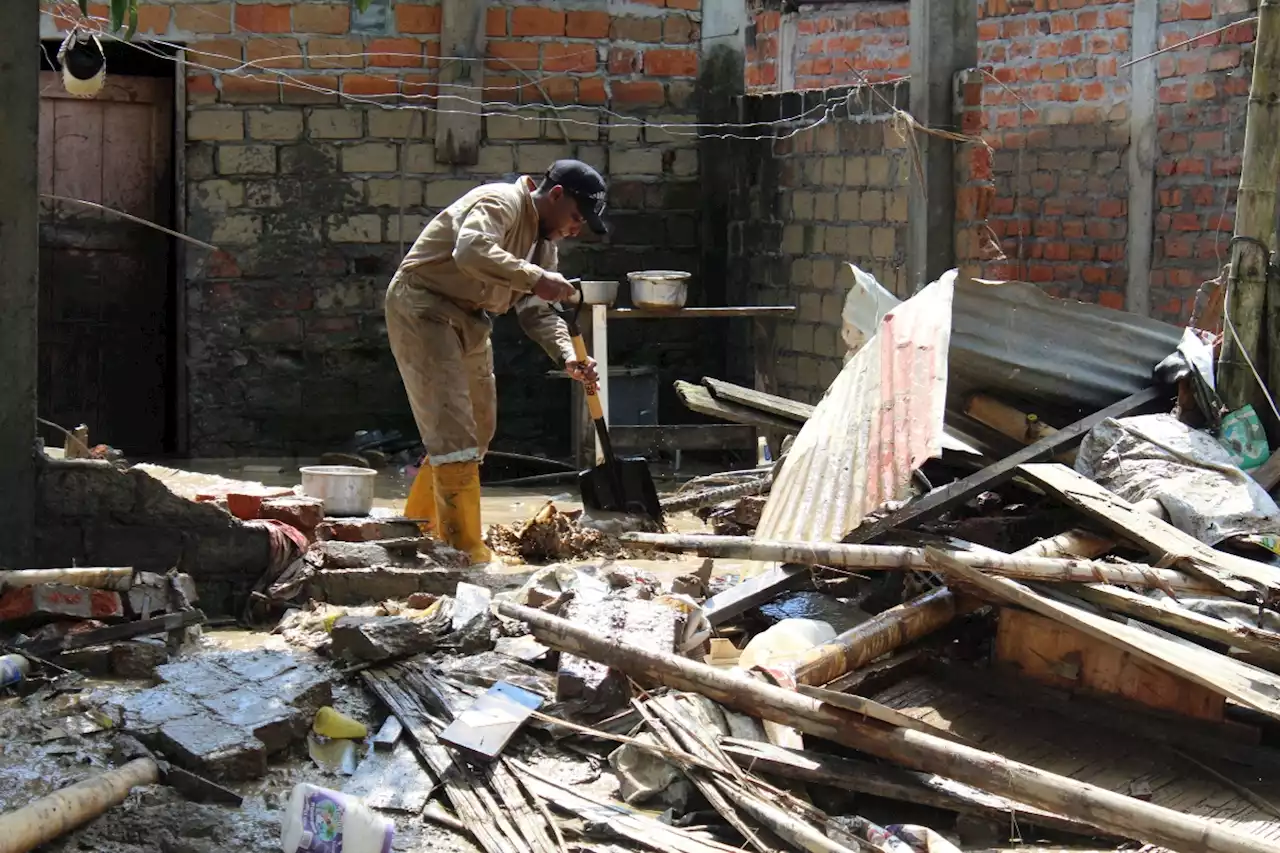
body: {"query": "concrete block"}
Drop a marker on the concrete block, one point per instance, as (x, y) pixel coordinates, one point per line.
(824, 207)
(216, 195)
(802, 205)
(514, 126)
(859, 237)
(495, 159)
(801, 338)
(878, 171)
(801, 273)
(381, 583)
(54, 600)
(138, 658)
(364, 530)
(356, 228)
(420, 158)
(369, 157)
(305, 687)
(392, 192)
(535, 159)
(685, 162)
(396, 124)
(309, 158)
(147, 710)
(897, 207)
(826, 342)
(238, 229)
(835, 240)
(623, 130)
(810, 308)
(199, 676)
(595, 156)
(832, 171)
(444, 192)
(406, 228)
(824, 271)
(855, 171)
(674, 134)
(246, 159)
(580, 125)
(275, 124)
(849, 205)
(216, 125)
(355, 639)
(793, 239)
(268, 718)
(91, 660)
(206, 745)
(306, 514)
(872, 206)
(883, 242)
(635, 161)
(335, 124)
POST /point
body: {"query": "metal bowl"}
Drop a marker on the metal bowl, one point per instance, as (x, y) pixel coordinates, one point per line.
(660, 289)
(599, 292)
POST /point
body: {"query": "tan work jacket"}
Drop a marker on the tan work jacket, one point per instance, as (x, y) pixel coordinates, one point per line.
(473, 255)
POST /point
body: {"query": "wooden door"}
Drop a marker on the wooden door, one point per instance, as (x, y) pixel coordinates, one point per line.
(105, 282)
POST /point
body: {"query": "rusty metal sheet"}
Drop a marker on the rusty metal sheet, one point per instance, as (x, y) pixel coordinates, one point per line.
(878, 422)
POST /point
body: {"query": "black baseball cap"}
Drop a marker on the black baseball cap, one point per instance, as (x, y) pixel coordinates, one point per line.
(587, 188)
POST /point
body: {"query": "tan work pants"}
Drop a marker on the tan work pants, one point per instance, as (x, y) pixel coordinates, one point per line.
(446, 363)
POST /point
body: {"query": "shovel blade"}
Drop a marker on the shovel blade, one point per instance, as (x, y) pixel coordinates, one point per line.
(637, 496)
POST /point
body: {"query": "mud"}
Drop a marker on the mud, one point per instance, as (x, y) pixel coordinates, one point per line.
(554, 535)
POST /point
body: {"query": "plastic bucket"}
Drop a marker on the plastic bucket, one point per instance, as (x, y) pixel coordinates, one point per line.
(345, 489)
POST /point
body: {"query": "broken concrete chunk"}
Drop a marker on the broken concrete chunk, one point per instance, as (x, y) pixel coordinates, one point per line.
(138, 658)
(304, 513)
(91, 660)
(471, 604)
(366, 585)
(375, 638)
(146, 711)
(54, 600)
(364, 530)
(206, 745)
(593, 687)
(266, 717)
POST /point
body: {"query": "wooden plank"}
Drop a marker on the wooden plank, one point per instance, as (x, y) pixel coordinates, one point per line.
(699, 399)
(683, 437)
(1252, 687)
(1262, 644)
(753, 592)
(459, 123)
(727, 392)
(112, 633)
(942, 499)
(1165, 542)
(389, 734)
(1059, 656)
(701, 313)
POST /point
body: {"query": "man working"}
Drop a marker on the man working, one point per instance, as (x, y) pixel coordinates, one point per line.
(490, 251)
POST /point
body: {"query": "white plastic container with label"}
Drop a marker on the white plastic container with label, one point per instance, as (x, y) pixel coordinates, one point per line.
(318, 820)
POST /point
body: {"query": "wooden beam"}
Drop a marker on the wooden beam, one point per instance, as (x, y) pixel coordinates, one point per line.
(699, 399)
(1239, 577)
(112, 633)
(683, 437)
(727, 392)
(459, 123)
(940, 500)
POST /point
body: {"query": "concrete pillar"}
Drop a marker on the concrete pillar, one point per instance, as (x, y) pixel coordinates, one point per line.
(19, 250)
(944, 41)
(1142, 159)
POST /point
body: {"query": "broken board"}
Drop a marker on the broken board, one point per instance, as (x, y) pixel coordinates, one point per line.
(1060, 656)
(483, 730)
(699, 399)
(1252, 687)
(781, 407)
(1171, 545)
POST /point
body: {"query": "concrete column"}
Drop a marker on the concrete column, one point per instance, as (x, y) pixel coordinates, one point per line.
(944, 40)
(19, 250)
(1142, 159)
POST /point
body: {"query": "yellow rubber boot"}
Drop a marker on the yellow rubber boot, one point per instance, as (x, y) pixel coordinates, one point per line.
(458, 501)
(422, 499)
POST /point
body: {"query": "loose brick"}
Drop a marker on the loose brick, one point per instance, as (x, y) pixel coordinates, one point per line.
(326, 18)
(262, 18)
(203, 18)
(587, 25)
(636, 29)
(258, 89)
(537, 21)
(395, 53)
(220, 125)
(355, 228)
(335, 124)
(568, 57)
(418, 19)
(282, 124)
(274, 53)
(335, 53)
(217, 53)
(369, 157)
(639, 92)
(666, 62)
(310, 89)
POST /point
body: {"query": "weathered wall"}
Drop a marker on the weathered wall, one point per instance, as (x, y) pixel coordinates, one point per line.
(310, 127)
(807, 202)
(1055, 104)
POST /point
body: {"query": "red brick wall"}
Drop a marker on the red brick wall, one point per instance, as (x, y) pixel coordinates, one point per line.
(833, 46)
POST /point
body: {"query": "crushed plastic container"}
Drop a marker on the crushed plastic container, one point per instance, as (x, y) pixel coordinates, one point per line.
(318, 820)
(784, 644)
(13, 668)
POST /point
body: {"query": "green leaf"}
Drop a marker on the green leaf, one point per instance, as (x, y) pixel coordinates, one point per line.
(84, 8)
(118, 10)
(362, 5)
(133, 21)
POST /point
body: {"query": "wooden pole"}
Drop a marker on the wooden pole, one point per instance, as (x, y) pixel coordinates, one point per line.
(119, 579)
(1107, 810)
(889, 557)
(1255, 223)
(62, 811)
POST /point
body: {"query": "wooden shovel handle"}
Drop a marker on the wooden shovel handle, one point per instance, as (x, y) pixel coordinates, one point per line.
(593, 399)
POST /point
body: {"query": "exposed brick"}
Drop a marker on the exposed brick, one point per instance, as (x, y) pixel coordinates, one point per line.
(262, 18)
(679, 29)
(638, 92)
(518, 54)
(370, 85)
(274, 53)
(369, 157)
(281, 124)
(568, 57)
(623, 60)
(310, 89)
(355, 228)
(325, 18)
(259, 89)
(671, 63)
(587, 25)
(218, 125)
(395, 53)
(495, 21)
(152, 19)
(592, 90)
(335, 53)
(636, 29)
(537, 21)
(217, 53)
(335, 124)
(203, 18)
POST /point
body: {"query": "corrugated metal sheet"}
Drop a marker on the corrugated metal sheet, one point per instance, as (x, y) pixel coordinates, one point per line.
(879, 421)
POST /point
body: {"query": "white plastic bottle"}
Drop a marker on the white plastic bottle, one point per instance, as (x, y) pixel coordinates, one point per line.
(13, 668)
(318, 820)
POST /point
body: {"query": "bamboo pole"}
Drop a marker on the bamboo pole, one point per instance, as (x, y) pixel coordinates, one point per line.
(115, 578)
(1107, 810)
(60, 812)
(1255, 224)
(889, 557)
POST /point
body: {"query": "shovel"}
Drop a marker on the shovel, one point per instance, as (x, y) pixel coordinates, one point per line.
(618, 485)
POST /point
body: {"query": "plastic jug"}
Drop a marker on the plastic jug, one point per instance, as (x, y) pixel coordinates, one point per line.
(318, 820)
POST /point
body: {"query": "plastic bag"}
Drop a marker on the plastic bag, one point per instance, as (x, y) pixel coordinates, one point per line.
(864, 308)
